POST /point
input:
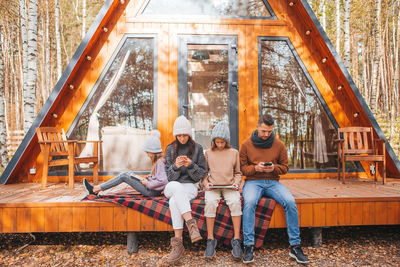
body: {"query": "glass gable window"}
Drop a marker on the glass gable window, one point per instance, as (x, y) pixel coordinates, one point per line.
(300, 120)
(215, 8)
(120, 109)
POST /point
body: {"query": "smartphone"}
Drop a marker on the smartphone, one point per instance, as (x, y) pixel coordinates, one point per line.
(268, 164)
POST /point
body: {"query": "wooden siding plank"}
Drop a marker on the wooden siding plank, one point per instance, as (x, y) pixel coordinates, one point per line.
(65, 216)
(9, 220)
(23, 220)
(120, 218)
(106, 219)
(331, 215)
(161, 226)
(344, 211)
(368, 213)
(78, 219)
(133, 220)
(37, 220)
(92, 219)
(279, 216)
(306, 219)
(319, 214)
(356, 213)
(1, 220)
(381, 213)
(51, 219)
(146, 223)
(393, 211)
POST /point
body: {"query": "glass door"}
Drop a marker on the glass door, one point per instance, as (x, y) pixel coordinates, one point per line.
(207, 84)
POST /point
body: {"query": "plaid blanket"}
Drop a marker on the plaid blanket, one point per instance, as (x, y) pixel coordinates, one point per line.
(157, 207)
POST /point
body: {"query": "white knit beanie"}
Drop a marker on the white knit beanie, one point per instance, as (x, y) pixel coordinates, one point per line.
(182, 126)
(153, 144)
(221, 130)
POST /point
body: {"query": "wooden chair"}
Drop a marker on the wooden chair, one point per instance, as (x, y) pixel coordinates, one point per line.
(54, 143)
(358, 144)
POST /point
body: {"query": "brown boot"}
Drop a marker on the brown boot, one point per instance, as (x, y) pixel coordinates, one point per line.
(177, 250)
(193, 230)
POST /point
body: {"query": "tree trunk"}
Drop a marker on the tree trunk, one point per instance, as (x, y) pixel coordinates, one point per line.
(375, 65)
(83, 18)
(396, 64)
(323, 15)
(338, 26)
(3, 128)
(47, 52)
(58, 39)
(24, 40)
(31, 74)
(346, 33)
(310, 2)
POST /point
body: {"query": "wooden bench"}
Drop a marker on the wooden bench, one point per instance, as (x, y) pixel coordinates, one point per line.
(359, 144)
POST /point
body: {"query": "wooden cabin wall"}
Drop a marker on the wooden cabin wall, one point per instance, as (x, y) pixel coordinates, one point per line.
(326, 76)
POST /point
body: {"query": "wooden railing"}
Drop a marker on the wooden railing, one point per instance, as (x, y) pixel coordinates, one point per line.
(13, 140)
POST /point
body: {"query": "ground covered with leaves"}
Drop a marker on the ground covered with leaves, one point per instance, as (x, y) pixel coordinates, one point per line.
(342, 246)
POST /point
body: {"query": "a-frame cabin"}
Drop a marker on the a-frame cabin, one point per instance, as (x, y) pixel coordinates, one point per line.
(144, 62)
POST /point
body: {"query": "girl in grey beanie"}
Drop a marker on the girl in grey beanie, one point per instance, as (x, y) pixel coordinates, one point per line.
(151, 185)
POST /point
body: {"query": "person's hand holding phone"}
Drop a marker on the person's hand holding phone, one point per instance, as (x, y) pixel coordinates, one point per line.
(265, 167)
(144, 181)
(187, 162)
(180, 160)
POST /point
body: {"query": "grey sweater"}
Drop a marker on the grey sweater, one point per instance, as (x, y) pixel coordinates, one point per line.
(191, 174)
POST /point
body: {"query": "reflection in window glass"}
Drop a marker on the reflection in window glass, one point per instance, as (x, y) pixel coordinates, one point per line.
(300, 120)
(207, 89)
(121, 110)
(231, 8)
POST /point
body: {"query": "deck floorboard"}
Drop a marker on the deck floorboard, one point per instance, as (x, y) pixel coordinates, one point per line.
(26, 207)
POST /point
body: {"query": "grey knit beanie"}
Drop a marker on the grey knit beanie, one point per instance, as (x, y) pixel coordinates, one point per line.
(182, 126)
(221, 130)
(153, 144)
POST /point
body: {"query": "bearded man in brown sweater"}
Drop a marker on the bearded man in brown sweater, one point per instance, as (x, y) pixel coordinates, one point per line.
(262, 159)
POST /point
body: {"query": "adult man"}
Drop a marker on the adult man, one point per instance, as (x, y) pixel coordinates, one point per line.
(262, 159)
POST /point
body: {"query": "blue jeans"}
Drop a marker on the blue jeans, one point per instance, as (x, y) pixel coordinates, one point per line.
(252, 192)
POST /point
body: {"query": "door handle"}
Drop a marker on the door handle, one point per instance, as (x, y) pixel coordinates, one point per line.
(187, 106)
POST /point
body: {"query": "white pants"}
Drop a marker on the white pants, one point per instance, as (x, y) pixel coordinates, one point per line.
(232, 198)
(179, 195)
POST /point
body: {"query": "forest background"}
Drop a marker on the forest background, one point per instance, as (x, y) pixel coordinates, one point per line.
(39, 37)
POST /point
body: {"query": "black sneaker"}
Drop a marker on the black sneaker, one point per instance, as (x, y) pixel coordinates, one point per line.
(237, 251)
(248, 254)
(297, 253)
(210, 250)
(88, 187)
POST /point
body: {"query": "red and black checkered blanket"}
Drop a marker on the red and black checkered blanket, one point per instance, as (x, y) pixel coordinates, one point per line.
(157, 207)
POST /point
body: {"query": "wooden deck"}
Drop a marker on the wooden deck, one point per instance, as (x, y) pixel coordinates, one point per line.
(25, 207)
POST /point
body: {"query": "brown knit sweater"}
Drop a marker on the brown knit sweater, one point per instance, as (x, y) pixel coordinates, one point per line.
(223, 166)
(250, 156)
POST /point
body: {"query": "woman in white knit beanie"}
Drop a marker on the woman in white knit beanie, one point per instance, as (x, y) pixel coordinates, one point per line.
(151, 185)
(185, 167)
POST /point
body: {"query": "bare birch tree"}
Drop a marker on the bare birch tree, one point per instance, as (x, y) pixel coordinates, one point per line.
(58, 38)
(338, 25)
(376, 60)
(83, 18)
(31, 74)
(3, 128)
(323, 14)
(24, 40)
(346, 33)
